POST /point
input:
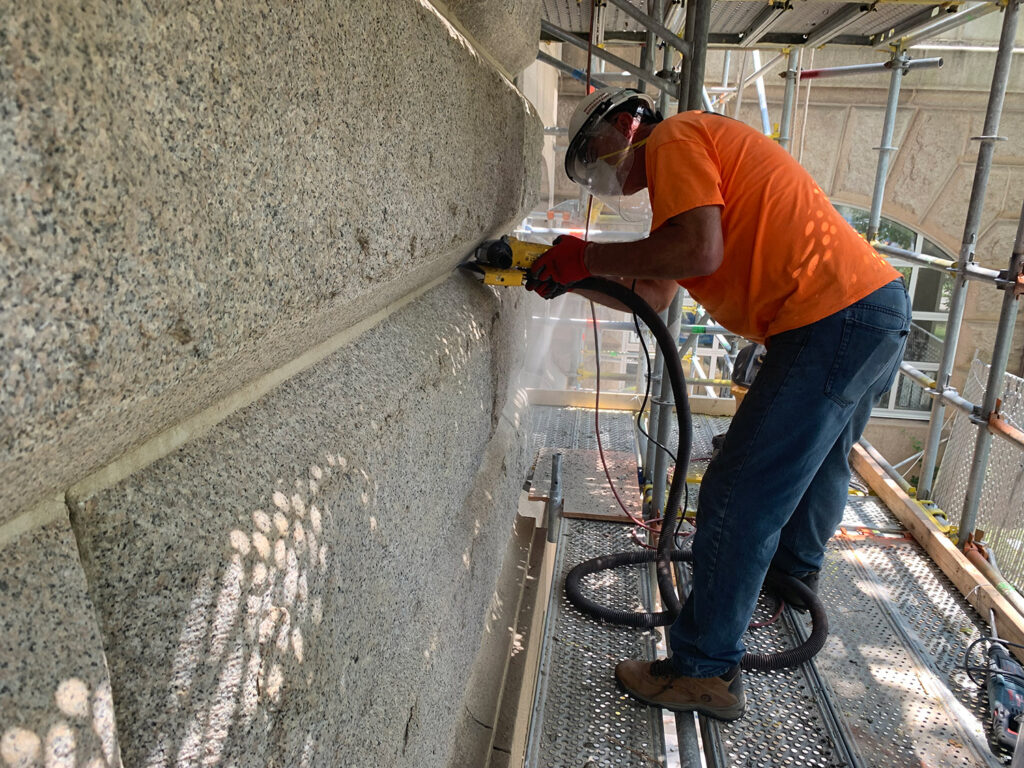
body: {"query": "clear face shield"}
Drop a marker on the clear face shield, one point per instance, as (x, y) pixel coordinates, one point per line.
(602, 159)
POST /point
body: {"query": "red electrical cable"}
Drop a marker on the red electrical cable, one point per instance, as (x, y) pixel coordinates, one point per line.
(769, 622)
(597, 426)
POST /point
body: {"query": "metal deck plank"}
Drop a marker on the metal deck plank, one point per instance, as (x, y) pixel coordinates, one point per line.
(581, 718)
(887, 689)
(585, 719)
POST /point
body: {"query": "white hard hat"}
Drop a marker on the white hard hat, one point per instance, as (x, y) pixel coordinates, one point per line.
(602, 147)
(591, 110)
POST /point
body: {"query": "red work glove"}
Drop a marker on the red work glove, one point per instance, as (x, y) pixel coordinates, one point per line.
(562, 263)
(545, 288)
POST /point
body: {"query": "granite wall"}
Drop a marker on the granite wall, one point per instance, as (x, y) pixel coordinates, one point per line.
(260, 448)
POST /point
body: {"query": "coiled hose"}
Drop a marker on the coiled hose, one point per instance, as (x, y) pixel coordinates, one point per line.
(666, 552)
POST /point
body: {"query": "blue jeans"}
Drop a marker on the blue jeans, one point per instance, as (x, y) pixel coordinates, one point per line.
(776, 492)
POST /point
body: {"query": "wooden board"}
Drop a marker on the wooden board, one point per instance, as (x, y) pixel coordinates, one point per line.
(585, 491)
(968, 579)
(624, 401)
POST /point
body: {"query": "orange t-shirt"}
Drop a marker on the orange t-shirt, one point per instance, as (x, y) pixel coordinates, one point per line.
(789, 258)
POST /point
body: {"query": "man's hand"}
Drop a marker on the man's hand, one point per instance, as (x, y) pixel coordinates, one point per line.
(545, 288)
(562, 263)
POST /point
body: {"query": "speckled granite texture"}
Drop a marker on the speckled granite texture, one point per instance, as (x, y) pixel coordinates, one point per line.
(508, 29)
(191, 196)
(308, 582)
(55, 696)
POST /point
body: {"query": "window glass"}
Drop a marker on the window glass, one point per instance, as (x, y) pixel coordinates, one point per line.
(930, 293)
(910, 397)
(889, 231)
(896, 234)
(857, 218)
(924, 344)
(943, 280)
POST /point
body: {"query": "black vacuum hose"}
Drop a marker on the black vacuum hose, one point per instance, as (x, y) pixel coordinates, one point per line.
(666, 552)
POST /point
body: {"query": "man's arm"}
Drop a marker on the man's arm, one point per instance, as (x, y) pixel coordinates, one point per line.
(657, 293)
(687, 245)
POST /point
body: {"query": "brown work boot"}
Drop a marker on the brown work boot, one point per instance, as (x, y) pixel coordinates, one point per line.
(656, 683)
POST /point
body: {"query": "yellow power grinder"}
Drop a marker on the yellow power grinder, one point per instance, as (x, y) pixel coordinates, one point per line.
(504, 262)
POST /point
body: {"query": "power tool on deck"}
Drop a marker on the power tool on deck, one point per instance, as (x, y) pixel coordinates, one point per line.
(505, 261)
(1005, 686)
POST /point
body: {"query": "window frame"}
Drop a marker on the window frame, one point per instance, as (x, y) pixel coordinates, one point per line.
(854, 213)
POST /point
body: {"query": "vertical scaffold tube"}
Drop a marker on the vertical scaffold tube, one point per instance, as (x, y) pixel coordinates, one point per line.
(699, 49)
(994, 387)
(762, 100)
(738, 105)
(898, 69)
(661, 460)
(666, 64)
(958, 300)
(647, 60)
(789, 99)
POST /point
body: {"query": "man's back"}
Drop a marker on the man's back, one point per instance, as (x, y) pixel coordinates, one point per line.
(789, 258)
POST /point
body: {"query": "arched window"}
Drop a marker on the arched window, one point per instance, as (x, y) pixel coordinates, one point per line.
(930, 290)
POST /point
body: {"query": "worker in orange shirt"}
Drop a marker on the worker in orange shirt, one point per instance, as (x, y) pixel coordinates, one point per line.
(746, 230)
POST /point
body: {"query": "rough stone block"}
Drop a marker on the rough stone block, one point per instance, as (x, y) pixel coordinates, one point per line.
(927, 159)
(996, 244)
(856, 164)
(508, 30)
(823, 143)
(191, 196)
(55, 699)
(308, 581)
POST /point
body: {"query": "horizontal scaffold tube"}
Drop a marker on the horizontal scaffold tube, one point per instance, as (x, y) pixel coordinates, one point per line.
(974, 272)
(561, 66)
(557, 33)
(996, 425)
(928, 384)
(864, 69)
(890, 470)
(653, 25)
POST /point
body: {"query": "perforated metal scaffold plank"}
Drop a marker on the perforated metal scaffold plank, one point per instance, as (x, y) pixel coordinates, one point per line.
(901, 630)
(584, 719)
(888, 689)
(581, 718)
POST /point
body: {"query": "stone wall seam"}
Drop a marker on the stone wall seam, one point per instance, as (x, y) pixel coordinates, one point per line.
(472, 44)
(462, 493)
(58, 707)
(172, 438)
(43, 513)
(938, 196)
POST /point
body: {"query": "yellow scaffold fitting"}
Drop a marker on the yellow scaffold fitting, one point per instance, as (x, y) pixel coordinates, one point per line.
(939, 517)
